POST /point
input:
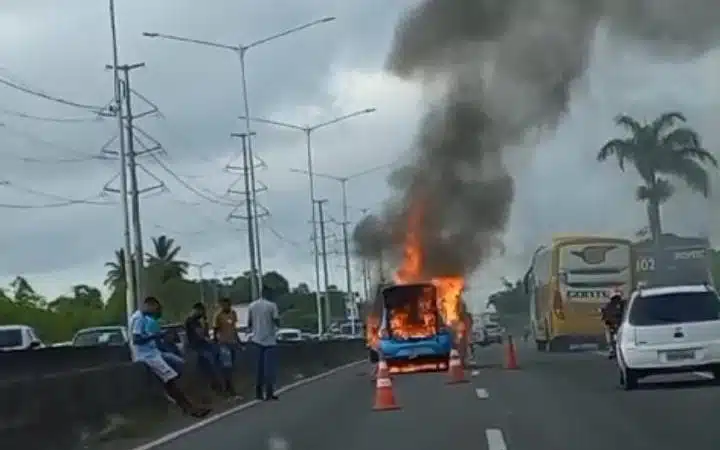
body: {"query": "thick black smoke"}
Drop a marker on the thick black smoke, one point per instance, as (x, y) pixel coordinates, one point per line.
(507, 67)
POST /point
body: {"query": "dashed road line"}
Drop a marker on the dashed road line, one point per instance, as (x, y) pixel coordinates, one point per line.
(481, 393)
(474, 373)
(495, 439)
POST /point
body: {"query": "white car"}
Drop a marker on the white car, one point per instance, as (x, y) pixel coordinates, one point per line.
(19, 337)
(289, 335)
(669, 330)
(111, 336)
(493, 333)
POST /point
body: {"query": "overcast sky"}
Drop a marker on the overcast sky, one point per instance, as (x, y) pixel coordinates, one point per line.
(61, 48)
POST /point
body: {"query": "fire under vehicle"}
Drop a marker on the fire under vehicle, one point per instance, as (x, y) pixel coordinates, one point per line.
(413, 335)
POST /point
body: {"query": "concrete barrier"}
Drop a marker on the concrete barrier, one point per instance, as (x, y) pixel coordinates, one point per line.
(54, 360)
(61, 411)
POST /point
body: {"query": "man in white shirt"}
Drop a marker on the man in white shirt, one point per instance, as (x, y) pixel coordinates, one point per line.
(263, 323)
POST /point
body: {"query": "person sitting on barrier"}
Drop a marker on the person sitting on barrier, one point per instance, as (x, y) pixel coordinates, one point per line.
(226, 336)
(264, 322)
(145, 349)
(166, 345)
(201, 347)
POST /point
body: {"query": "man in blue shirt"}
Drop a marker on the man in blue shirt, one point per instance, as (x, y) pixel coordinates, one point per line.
(144, 343)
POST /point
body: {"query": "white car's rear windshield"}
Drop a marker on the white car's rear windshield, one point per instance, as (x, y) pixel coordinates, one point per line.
(288, 335)
(674, 308)
(11, 337)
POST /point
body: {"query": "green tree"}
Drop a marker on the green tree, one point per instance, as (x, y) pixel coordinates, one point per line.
(24, 294)
(661, 148)
(83, 297)
(163, 264)
(275, 281)
(116, 270)
(511, 300)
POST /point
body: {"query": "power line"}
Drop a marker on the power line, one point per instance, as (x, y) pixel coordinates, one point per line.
(82, 157)
(22, 115)
(60, 200)
(101, 110)
(188, 186)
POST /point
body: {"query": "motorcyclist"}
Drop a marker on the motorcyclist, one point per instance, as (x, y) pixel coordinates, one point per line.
(612, 314)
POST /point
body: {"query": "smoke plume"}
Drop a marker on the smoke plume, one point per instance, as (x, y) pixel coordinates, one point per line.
(506, 67)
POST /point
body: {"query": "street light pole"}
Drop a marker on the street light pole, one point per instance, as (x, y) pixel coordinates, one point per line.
(350, 298)
(326, 271)
(200, 268)
(130, 282)
(346, 250)
(308, 130)
(254, 284)
(241, 51)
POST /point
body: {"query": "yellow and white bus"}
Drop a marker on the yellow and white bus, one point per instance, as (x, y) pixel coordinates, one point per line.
(567, 283)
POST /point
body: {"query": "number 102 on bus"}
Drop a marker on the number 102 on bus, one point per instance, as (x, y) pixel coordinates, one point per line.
(646, 264)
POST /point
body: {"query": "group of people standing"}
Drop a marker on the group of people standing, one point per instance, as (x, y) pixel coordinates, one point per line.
(213, 345)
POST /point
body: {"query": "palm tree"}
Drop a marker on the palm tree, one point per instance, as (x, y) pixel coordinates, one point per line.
(116, 270)
(661, 148)
(22, 289)
(164, 262)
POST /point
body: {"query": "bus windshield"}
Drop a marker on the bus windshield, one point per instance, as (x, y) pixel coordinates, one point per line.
(411, 311)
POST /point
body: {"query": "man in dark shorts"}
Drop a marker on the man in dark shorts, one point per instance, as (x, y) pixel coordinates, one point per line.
(226, 337)
(199, 344)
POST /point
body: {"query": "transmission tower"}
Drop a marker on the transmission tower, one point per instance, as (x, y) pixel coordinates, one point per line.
(253, 210)
(134, 137)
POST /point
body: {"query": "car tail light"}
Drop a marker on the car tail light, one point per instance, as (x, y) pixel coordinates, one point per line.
(558, 305)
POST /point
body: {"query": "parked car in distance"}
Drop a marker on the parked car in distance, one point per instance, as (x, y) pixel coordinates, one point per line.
(289, 335)
(19, 337)
(107, 336)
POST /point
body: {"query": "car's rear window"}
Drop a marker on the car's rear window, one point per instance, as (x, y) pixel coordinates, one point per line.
(289, 335)
(92, 338)
(10, 338)
(674, 308)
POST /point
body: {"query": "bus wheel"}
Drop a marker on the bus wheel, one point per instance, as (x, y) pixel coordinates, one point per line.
(541, 345)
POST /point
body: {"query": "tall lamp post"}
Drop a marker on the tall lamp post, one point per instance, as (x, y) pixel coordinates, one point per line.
(350, 299)
(308, 130)
(200, 268)
(241, 52)
(130, 281)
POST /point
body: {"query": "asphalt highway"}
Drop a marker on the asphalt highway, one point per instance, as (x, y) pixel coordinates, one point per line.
(560, 401)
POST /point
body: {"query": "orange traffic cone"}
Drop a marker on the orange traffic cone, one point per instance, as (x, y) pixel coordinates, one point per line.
(384, 397)
(510, 354)
(455, 368)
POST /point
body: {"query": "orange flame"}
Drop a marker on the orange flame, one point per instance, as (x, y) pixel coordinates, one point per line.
(412, 270)
(449, 288)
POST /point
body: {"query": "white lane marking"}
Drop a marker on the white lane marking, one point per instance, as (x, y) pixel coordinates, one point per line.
(475, 373)
(495, 439)
(212, 419)
(278, 443)
(707, 376)
(482, 393)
